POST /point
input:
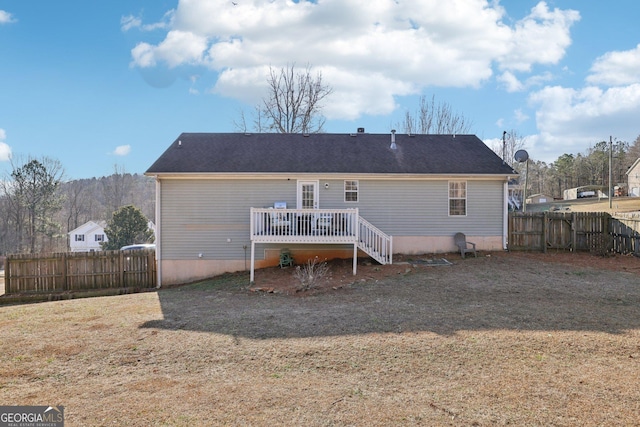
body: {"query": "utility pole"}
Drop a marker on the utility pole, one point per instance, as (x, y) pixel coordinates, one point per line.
(504, 146)
(610, 172)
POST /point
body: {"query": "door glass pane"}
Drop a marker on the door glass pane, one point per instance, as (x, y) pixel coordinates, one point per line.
(307, 196)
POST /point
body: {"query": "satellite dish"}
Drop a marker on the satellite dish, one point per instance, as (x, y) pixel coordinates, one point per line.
(521, 156)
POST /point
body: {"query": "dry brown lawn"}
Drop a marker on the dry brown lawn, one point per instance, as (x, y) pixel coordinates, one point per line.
(618, 205)
(506, 339)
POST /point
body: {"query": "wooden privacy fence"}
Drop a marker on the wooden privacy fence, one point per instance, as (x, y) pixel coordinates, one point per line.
(575, 231)
(625, 232)
(79, 271)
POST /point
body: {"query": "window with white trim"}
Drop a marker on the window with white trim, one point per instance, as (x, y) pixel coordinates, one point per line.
(351, 191)
(79, 237)
(99, 237)
(457, 198)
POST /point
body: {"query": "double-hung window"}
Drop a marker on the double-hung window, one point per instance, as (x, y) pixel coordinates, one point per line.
(457, 198)
(99, 237)
(79, 237)
(351, 191)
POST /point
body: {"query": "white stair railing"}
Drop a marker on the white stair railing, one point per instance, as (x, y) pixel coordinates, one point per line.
(374, 242)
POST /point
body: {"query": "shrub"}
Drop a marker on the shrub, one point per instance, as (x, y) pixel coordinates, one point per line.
(310, 274)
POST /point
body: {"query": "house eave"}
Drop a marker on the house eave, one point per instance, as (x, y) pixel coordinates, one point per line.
(633, 166)
(321, 175)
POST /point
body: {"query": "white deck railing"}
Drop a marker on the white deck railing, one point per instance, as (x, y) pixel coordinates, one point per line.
(269, 225)
(374, 242)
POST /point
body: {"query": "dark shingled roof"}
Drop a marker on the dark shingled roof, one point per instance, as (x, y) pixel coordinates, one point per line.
(359, 153)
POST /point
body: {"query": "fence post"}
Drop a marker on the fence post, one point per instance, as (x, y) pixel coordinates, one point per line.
(574, 233)
(65, 284)
(545, 232)
(7, 276)
(151, 257)
(121, 261)
(606, 219)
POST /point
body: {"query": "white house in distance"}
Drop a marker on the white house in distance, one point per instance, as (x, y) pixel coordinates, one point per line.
(88, 237)
(633, 175)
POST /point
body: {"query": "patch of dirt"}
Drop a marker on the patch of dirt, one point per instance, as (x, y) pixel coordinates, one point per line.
(340, 273)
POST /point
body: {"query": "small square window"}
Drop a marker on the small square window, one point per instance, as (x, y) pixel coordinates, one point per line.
(351, 191)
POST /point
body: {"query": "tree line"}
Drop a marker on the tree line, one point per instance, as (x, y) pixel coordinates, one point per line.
(38, 207)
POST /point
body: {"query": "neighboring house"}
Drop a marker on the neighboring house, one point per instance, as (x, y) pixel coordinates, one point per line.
(88, 237)
(226, 200)
(633, 179)
(539, 198)
(584, 192)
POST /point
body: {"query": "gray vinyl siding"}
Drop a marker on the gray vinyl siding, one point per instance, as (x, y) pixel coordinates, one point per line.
(421, 208)
(414, 208)
(199, 216)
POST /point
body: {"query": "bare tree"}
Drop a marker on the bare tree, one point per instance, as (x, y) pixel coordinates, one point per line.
(293, 103)
(76, 206)
(34, 200)
(507, 147)
(116, 189)
(434, 118)
(633, 153)
(257, 120)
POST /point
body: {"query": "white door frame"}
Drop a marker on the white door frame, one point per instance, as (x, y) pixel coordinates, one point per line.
(300, 186)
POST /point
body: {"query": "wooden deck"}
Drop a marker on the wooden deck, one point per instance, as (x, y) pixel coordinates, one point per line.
(319, 226)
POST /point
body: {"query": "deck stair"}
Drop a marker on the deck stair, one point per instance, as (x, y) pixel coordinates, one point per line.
(374, 242)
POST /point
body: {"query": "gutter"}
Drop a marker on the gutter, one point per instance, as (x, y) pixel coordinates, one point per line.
(158, 233)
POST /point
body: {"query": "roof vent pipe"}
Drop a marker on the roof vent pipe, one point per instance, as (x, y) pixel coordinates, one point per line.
(393, 139)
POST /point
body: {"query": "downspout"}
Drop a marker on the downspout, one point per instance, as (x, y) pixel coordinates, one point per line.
(158, 233)
(505, 215)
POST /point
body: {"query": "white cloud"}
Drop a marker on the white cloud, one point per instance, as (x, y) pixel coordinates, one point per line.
(569, 119)
(6, 17)
(369, 51)
(128, 22)
(510, 82)
(520, 116)
(540, 38)
(5, 150)
(122, 150)
(178, 48)
(616, 68)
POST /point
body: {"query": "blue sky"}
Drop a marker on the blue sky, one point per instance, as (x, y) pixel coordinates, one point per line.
(97, 84)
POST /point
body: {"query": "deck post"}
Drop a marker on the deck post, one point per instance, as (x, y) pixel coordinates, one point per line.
(253, 262)
(355, 258)
(356, 227)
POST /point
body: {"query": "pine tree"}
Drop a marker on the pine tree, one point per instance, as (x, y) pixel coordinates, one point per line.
(127, 226)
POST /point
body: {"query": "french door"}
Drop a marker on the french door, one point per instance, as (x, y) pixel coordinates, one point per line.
(307, 195)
